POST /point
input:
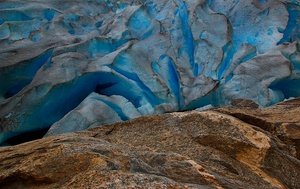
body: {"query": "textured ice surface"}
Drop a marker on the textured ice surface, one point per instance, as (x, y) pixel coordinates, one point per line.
(72, 65)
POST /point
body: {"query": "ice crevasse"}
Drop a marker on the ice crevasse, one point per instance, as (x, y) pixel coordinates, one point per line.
(71, 65)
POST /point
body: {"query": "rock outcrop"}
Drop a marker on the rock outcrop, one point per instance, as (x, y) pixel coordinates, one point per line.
(217, 148)
(282, 121)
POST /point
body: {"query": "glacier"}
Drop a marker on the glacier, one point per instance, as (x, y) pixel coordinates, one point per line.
(71, 65)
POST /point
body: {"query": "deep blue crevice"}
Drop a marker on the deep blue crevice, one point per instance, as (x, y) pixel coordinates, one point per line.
(292, 30)
(100, 87)
(18, 77)
(110, 84)
(57, 102)
(175, 82)
(64, 97)
(188, 36)
(147, 34)
(229, 51)
(228, 78)
(155, 67)
(38, 62)
(289, 87)
(248, 57)
(152, 99)
(169, 75)
(61, 99)
(196, 70)
(99, 24)
(203, 101)
(216, 98)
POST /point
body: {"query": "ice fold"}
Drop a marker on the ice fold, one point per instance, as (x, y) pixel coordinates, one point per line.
(73, 65)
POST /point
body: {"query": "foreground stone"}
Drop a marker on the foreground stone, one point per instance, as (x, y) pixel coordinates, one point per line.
(281, 120)
(207, 149)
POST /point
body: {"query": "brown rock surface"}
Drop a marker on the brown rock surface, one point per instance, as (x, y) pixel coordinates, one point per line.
(208, 149)
(281, 120)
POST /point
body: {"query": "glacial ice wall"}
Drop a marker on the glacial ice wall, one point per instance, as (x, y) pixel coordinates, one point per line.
(72, 65)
